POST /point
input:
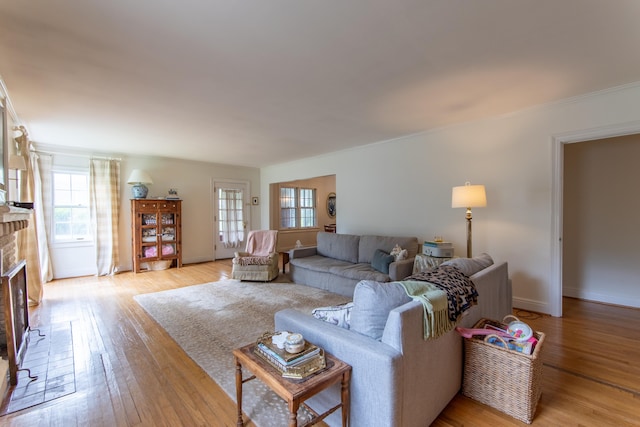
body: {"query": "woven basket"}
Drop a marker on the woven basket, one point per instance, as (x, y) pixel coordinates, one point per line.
(157, 265)
(501, 378)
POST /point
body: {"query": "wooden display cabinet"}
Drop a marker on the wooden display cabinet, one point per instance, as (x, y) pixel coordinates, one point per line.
(156, 234)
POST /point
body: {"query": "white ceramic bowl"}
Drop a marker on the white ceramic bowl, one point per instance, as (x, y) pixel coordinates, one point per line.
(294, 343)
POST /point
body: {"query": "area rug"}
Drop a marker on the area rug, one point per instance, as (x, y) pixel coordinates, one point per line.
(208, 321)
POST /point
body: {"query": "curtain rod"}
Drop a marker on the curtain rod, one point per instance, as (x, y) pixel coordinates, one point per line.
(86, 156)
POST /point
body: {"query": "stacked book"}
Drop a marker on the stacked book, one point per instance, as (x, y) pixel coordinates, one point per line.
(291, 365)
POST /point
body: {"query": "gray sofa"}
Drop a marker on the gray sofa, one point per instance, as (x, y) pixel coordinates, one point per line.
(400, 379)
(340, 261)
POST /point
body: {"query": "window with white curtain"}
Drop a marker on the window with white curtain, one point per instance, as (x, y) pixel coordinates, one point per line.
(298, 208)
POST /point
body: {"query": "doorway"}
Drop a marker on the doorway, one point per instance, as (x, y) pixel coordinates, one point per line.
(559, 141)
(231, 217)
(600, 249)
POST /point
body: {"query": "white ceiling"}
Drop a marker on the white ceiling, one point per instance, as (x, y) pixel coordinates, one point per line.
(259, 82)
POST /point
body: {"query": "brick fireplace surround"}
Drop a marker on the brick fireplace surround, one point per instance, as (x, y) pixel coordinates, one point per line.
(12, 220)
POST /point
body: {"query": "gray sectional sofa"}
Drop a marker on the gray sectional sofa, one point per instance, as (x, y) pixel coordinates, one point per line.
(398, 377)
(340, 261)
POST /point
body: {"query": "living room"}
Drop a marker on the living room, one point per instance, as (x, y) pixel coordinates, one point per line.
(401, 184)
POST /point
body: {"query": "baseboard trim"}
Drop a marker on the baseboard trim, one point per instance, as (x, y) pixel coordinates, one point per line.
(531, 305)
(622, 300)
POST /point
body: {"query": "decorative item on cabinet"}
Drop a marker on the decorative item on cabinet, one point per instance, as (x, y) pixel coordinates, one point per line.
(172, 194)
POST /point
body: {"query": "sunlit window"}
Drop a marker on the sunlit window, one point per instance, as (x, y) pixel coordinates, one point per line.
(297, 207)
(71, 218)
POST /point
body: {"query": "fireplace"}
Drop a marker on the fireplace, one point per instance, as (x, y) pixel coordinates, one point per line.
(16, 314)
(12, 220)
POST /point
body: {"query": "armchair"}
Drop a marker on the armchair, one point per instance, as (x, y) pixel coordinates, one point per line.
(259, 261)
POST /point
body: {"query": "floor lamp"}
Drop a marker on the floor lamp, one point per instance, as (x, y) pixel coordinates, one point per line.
(468, 196)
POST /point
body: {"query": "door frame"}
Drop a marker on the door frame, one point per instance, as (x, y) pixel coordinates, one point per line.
(215, 182)
(558, 143)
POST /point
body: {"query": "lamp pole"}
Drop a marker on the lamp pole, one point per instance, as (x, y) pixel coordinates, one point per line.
(468, 216)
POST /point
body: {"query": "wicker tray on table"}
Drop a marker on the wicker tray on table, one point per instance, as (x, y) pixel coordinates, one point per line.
(501, 378)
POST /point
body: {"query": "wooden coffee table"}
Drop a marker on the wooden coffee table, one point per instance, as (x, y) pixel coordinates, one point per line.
(294, 392)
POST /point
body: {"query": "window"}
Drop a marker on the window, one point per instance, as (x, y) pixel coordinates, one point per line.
(297, 207)
(71, 219)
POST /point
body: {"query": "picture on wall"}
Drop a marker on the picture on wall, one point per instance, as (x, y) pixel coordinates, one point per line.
(331, 205)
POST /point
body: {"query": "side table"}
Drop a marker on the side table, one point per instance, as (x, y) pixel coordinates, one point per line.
(424, 262)
(285, 260)
(294, 392)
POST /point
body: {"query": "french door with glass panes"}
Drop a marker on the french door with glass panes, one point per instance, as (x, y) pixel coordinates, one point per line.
(231, 217)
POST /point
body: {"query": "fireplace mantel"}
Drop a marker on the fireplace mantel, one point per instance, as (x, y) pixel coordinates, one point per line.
(12, 219)
(11, 214)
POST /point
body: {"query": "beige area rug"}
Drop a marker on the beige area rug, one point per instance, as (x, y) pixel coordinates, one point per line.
(208, 321)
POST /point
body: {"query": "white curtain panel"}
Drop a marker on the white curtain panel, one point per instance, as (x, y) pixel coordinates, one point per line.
(43, 203)
(36, 245)
(104, 205)
(230, 211)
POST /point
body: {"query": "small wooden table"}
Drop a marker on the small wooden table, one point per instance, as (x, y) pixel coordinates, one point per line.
(294, 392)
(285, 260)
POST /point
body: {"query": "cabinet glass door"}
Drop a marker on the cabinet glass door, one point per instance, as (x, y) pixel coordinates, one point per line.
(168, 234)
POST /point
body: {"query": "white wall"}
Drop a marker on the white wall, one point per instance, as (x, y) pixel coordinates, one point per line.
(601, 206)
(404, 186)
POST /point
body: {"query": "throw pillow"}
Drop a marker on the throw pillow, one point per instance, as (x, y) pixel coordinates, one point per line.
(339, 315)
(372, 303)
(399, 254)
(381, 261)
(470, 266)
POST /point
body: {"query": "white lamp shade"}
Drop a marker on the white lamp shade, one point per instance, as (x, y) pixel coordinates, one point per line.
(468, 196)
(17, 163)
(138, 176)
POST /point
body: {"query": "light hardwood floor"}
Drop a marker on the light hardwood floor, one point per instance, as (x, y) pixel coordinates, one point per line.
(129, 372)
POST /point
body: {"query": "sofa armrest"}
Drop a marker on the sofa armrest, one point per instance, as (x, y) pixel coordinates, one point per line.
(494, 291)
(377, 368)
(302, 252)
(398, 270)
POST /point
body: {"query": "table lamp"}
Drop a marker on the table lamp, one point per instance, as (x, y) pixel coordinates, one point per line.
(139, 178)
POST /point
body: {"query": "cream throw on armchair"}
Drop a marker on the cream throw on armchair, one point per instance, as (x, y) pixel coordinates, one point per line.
(259, 262)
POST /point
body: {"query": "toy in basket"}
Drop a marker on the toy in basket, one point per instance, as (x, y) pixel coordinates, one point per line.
(499, 376)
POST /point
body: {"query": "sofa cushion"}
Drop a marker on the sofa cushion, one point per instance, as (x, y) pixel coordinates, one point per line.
(339, 246)
(339, 315)
(370, 244)
(359, 272)
(319, 263)
(372, 303)
(381, 261)
(470, 266)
